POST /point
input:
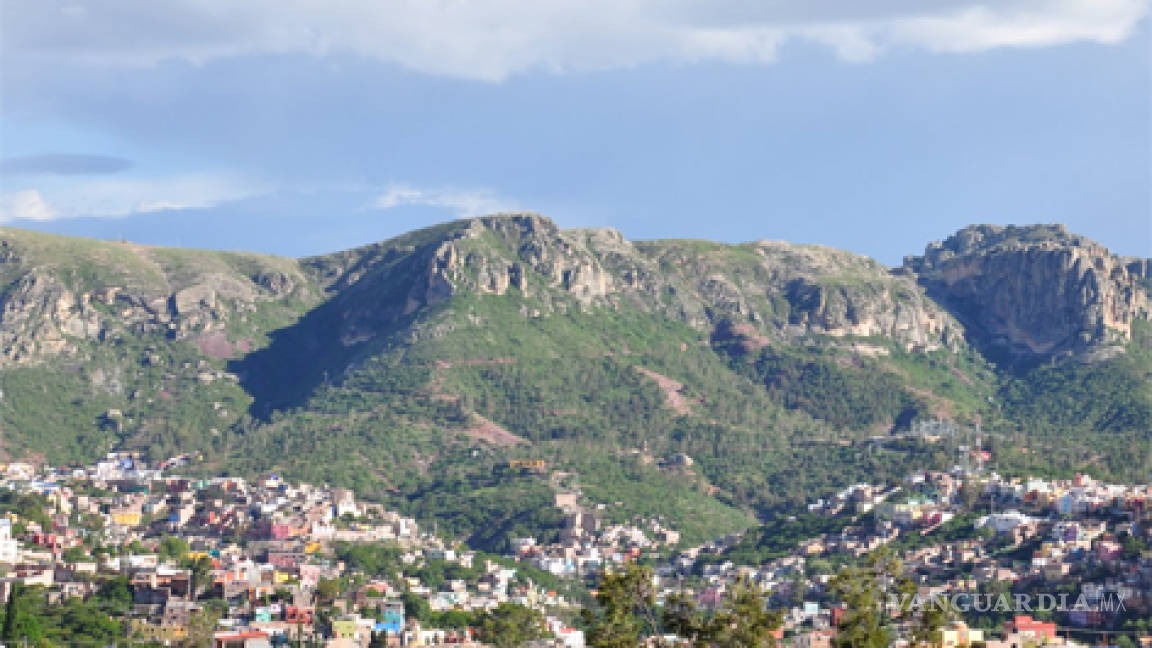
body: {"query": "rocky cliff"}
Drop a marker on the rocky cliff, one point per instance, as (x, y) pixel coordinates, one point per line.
(781, 291)
(61, 295)
(1035, 292)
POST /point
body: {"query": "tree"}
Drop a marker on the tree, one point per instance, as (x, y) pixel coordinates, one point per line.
(745, 621)
(860, 625)
(12, 611)
(172, 548)
(864, 593)
(797, 589)
(416, 607)
(115, 593)
(20, 622)
(970, 494)
(74, 555)
(201, 574)
(682, 618)
(936, 614)
(201, 626)
(511, 624)
(624, 608)
(327, 589)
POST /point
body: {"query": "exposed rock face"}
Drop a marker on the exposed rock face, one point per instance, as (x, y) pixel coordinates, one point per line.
(51, 303)
(899, 313)
(1035, 292)
(783, 291)
(38, 315)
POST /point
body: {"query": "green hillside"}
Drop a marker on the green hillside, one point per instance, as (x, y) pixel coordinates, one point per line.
(707, 384)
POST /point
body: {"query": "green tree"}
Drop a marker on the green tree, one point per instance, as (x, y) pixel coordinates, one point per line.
(327, 590)
(74, 555)
(201, 627)
(511, 624)
(115, 594)
(683, 618)
(935, 614)
(172, 548)
(416, 607)
(744, 620)
(12, 611)
(20, 620)
(201, 574)
(624, 608)
(864, 592)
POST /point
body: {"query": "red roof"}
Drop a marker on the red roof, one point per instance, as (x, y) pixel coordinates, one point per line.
(247, 634)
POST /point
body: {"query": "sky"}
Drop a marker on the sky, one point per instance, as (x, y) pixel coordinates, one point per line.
(301, 127)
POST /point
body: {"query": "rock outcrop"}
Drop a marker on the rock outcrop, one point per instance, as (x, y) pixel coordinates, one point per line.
(58, 294)
(1035, 292)
(781, 290)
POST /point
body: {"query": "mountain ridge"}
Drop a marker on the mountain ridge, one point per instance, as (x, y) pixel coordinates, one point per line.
(406, 367)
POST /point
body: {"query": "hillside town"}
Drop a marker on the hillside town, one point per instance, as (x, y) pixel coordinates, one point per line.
(248, 564)
(1050, 562)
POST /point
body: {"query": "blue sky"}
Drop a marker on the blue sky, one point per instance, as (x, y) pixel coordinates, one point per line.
(872, 126)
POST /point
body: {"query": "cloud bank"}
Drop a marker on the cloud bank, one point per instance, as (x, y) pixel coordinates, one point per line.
(463, 203)
(27, 205)
(493, 39)
(53, 199)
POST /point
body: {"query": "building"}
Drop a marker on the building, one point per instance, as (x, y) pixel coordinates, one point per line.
(9, 548)
(1028, 627)
(247, 639)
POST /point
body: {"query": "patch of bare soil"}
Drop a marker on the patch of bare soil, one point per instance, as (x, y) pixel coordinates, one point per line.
(473, 362)
(671, 388)
(489, 432)
(215, 345)
(749, 338)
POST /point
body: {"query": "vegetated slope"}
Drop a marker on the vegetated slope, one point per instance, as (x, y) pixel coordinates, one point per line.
(1067, 324)
(105, 344)
(701, 382)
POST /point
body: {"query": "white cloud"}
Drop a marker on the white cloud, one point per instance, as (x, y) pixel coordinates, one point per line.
(26, 204)
(463, 203)
(110, 197)
(492, 39)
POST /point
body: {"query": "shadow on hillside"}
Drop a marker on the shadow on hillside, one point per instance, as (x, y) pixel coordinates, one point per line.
(299, 359)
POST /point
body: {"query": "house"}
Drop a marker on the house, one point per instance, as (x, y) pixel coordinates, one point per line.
(814, 639)
(246, 639)
(9, 548)
(1028, 627)
(959, 634)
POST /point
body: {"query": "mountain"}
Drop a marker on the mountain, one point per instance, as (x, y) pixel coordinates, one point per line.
(702, 382)
(1031, 293)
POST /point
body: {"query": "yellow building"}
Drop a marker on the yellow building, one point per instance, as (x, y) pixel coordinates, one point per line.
(344, 629)
(126, 518)
(959, 635)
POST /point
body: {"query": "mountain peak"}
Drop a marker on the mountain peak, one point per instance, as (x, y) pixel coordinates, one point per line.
(985, 237)
(1034, 291)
